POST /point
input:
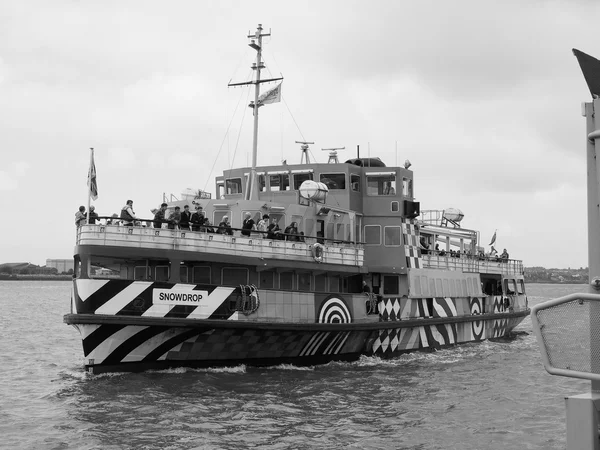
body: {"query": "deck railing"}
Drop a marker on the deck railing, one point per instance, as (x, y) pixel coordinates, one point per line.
(349, 254)
(467, 263)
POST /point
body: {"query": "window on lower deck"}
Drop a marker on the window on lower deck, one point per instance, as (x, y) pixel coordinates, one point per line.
(391, 285)
(233, 276)
(320, 283)
(141, 273)
(286, 280)
(267, 279)
(304, 281)
(201, 275)
(161, 273)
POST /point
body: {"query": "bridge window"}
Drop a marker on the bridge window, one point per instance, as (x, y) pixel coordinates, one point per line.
(355, 182)
(381, 184)
(201, 274)
(393, 236)
(233, 185)
(373, 234)
(261, 183)
(300, 178)
(279, 182)
(334, 180)
(407, 187)
(232, 276)
(521, 287)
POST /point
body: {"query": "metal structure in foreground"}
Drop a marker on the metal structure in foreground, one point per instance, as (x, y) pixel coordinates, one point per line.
(568, 328)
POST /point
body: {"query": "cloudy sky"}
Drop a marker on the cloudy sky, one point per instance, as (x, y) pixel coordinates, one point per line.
(483, 97)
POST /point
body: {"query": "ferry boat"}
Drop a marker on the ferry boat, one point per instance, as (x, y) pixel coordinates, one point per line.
(363, 272)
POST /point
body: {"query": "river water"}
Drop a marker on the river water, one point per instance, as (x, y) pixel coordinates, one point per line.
(492, 395)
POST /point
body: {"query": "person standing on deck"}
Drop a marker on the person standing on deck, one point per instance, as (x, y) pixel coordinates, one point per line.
(127, 214)
(198, 220)
(174, 219)
(263, 224)
(159, 216)
(247, 225)
(80, 217)
(225, 227)
(186, 217)
(93, 216)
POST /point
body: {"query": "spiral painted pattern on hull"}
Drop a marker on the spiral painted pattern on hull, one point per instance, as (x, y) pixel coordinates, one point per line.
(476, 325)
(334, 310)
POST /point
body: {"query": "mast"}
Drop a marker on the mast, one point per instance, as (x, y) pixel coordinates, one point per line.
(256, 44)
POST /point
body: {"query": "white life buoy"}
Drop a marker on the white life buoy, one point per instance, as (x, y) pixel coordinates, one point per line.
(317, 252)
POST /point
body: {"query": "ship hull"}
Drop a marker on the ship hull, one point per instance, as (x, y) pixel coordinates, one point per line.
(132, 344)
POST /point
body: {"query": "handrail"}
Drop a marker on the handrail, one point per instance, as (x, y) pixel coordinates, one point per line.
(149, 223)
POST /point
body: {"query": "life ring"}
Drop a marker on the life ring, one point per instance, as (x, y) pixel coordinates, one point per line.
(317, 252)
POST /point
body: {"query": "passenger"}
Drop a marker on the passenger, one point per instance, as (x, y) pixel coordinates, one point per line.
(291, 232)
(198, 220)
(186, 217)
(174, 219)
(114, 220)
(127, 214)
(365, 288)
(263, 224)
(80, 217)
(273, 230)
(388, 189)
(301, 237)
(248, 224)
(159, 215)
(225, 227)
(93, 215)
(504, 255)
(207, 226)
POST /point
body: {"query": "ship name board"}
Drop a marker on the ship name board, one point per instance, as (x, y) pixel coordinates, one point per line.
(171, 297)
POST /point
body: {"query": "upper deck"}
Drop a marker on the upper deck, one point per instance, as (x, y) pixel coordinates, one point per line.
(208, 246)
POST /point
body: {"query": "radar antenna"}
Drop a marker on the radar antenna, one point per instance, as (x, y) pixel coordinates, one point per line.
(333, 159)
(304, 148)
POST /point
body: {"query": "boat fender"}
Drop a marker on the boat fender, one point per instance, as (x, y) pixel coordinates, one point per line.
(248, 301)
(317, 252)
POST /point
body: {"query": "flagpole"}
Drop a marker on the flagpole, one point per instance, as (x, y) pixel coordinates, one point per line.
(89, 184)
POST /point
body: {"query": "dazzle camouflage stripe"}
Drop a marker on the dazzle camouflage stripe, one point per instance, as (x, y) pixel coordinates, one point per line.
(131, 343)
(444, 307)
(118, 297)
(123, 298)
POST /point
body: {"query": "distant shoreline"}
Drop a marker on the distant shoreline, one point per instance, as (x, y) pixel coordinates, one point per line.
(5, 277)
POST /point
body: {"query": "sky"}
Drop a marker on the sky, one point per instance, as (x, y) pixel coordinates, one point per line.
(483, 97)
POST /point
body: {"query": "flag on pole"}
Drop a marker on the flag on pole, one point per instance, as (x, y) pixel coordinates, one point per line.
(92, 184)
(493, 238)
(271, 96)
